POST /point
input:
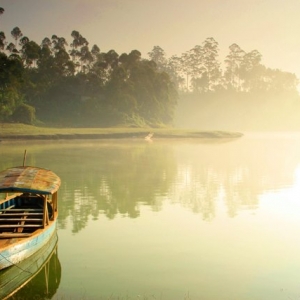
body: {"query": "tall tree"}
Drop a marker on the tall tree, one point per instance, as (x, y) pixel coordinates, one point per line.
(30, 53)
(86, 58)
(199, 80)
(187, 67)
(2, 10)
(98, 68)
(16, 34)
(61, 61)
(111, 61)
(95, 51)
(46, 58)
(11, 47)
(197, 61)
(2, 35)
(211, 63)
(233, 67)
(24, 40)
(80, 52)
(158, 55)
(59, 43)
(2, 40)
(174, 71)
(252, 71)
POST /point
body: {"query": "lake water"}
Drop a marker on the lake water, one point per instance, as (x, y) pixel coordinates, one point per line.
(173, 219)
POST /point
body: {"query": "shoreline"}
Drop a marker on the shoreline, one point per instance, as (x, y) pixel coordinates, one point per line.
(123, 135)
(17, 131)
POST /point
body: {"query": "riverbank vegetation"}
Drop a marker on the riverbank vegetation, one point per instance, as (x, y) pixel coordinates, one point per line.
(56, 82)
(9, 131)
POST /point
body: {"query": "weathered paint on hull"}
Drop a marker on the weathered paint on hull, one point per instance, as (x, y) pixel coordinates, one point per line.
(26, 247)
(14, 278)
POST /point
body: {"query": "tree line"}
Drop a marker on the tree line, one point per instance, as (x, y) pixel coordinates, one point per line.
(199, 70)
(75, 84)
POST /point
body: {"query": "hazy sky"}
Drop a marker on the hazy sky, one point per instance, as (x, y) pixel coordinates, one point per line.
(270, 26)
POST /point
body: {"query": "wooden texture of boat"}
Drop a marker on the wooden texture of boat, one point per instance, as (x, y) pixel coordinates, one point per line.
(28, 212)
(37, 277)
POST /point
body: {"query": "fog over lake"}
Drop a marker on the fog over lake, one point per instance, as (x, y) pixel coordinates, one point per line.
(174, 219)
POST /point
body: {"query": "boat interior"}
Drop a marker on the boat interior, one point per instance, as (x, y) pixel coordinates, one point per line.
(23, 213)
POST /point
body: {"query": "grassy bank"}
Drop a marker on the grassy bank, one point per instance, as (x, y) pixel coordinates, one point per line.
(22, 131)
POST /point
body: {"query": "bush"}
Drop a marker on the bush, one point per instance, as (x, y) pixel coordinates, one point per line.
(24, 113)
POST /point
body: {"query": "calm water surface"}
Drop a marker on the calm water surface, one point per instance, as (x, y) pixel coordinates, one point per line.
(172, 219)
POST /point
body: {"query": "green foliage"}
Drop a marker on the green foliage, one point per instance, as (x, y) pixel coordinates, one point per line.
(24, 113)
(7, 103)
(11, 82)
(73, 85)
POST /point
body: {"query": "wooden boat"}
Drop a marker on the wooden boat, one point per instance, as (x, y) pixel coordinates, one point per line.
(36, 277)
(28, 212)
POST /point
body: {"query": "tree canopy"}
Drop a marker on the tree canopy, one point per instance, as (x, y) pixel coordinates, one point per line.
(75, 84)
(199, 70)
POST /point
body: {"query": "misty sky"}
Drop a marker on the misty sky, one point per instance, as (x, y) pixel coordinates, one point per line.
(269, 26)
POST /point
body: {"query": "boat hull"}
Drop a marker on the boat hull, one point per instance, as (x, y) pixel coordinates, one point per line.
(14, 278)
(19, 249)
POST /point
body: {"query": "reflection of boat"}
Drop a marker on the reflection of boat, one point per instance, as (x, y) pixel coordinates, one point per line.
(28, 212)
(36, 277)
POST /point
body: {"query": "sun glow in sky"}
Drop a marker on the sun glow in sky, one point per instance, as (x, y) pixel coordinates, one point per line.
(269, 26)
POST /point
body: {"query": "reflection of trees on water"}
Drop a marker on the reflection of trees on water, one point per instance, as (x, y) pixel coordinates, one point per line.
(234, 173)
(137, 178)
(213, 184)
(242, 190)
(200, 188)
(117, 178)
(196, 189)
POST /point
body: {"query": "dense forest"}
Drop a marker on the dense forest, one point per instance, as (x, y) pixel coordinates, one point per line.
(77, 85)
(56, 82)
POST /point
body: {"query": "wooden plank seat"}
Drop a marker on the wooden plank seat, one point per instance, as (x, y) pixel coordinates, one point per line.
(20, 210)
(7, 235)
(21, 220)
(8, 208)
(24, 214)
(20, 214)
(21, 225)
